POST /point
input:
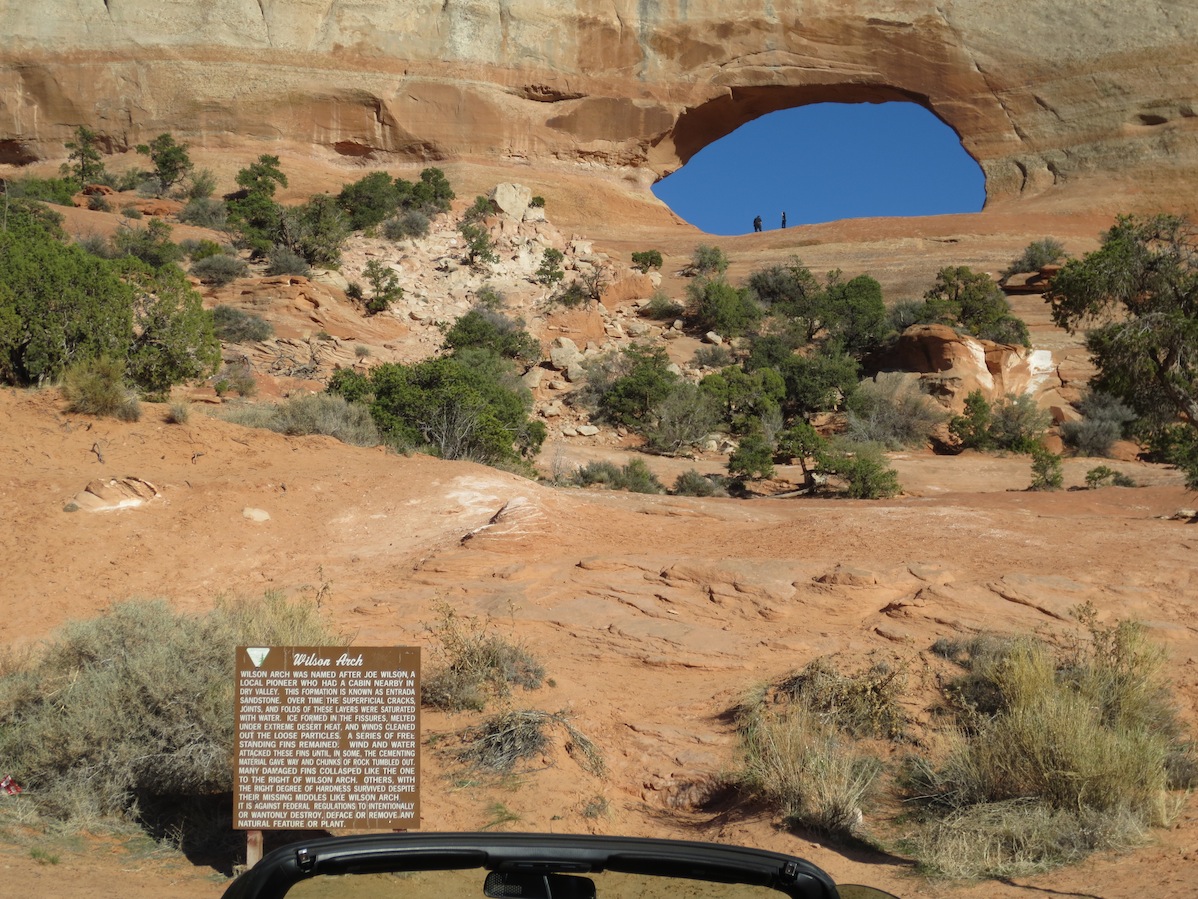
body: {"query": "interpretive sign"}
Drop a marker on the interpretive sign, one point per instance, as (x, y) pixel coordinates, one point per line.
(327, 737)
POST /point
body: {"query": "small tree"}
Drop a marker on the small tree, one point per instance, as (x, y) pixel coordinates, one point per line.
(384, 287)
(479, 249)
(87, 166)
(715, 305)
(708, 260)
(550, 271)
(754, 458)
(645, 260)
(1047, 469)
(976, 302)
(973, 428)
(171, 160)
(1036, 255)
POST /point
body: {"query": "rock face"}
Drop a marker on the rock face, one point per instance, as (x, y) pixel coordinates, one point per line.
(1047, 95)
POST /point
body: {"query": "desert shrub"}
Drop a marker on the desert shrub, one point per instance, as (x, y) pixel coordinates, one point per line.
(205, 212)
(681, 419)
(860, 705)
(753, 458)
(132, 212)
(792, 759)
(692, 483)
(319, 413)
(171, 160)
(972, 428)
(480, 250)
(316, 230)
(96, 245)
(235, 325)
(134, 708)
(645, 260)
(712, 357)
(151, 244)
(863, 469)
(483, 329)
(1036, 255)
(384, 287)
(178, 413)
(59, 191)
(219, 269)
(86, 164)
(98, 203)
(640, 378)
(200, 184)
(1105, 476)
(892, 410)
(1070, 753)
(369, 200)
(411, 223)
(282, 260)
(236, 376)
(97, 387)
(570, 294)
(906, 313)
(1047, 470)
(660, 306)
(1105, 420)
(1018, 424)
(195, 250)
(475, 665)
(635, 477)
(708, 261)
(972, 300)
(550, 271)
(715, 305)
(488, 296)
(501, 741)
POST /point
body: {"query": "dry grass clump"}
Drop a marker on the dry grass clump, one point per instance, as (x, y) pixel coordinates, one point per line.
(130, 714)
(795, 759)
(476, 665)
(97, 387)
(326, 414)
(861, 705)
(501, 741)
(1057, 755)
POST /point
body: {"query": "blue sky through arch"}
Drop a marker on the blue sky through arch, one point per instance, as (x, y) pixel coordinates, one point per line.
(823, 162)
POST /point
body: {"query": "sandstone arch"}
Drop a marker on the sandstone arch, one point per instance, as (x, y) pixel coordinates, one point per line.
(1057, 100)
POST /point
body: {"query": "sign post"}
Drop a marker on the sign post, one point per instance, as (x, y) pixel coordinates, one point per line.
(328, 737)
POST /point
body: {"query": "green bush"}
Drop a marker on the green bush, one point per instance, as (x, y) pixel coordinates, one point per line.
(708, 261)
(411, 224)
(862, 467)
(219, 269)
(59, 191)
(974, 301)
(483, 329)
(753, 458)
(171, 160)
(284, 261)
(1104, 422)
(133, 710)
(862, 705)
(151, 244)
(132, 212)
(715, 305)
(893, 411)
(195, 250)
(600, 472)
(645, 260)
(237, 326)
(474, 665)
(201, 185)
(570, 295)
(1047, 470)
(712, 357)
(635, 477)
(692, 483)
(972, 429)
(683, 418)
(97, 387)
(369, 201)
(1018, 424)
(315, 230)
(1036, 255)
(384, 287)
(480, 252)
(205, 212)
(660, 306)
(641, 378)
(1104, 476)
(236, 376)
(86, 165)
(550, 271)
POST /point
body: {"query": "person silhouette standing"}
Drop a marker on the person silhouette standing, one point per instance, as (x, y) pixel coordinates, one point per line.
(784, 220)
(757, 223)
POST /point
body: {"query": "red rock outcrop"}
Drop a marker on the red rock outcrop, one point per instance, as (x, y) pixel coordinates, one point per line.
(1054, 98)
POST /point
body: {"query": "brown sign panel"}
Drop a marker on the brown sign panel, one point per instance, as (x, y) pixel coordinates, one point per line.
(327, 737)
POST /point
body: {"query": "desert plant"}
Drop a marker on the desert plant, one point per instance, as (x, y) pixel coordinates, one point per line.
(645, 260)
(972, 428)
(715, 356)
(793, 759)
(501, 741)
(1105, 418)
(59, 191)
(753, 458)
(235, 325)
(1036, 255)
(1065, 754)
(480, 251)
(285, 261)
(384, 287)
(660, 306)
(411, 223)
(237, 376)
(219, 269)
(537, 202)
(86, 164)
(570, 294)
(178, 413)
(862, 467)
(205, 212)
(892, 410)
(97, 387)
(151, 244)
(708, 261)
(475, 665)
(635, 477)
(550, 271)
(1018, 424)
(692, 483)
(317, 413)
(132, 212)
(133, 709)
(200, 185)
(866, 704)
(1047, 470)
(1105, 476)
(98, 203)
(683, 418)
(171, 160)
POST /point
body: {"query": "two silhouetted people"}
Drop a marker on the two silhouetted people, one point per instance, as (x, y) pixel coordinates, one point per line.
(757, 222)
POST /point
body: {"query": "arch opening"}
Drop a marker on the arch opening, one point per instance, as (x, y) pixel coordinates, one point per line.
(820, 162)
